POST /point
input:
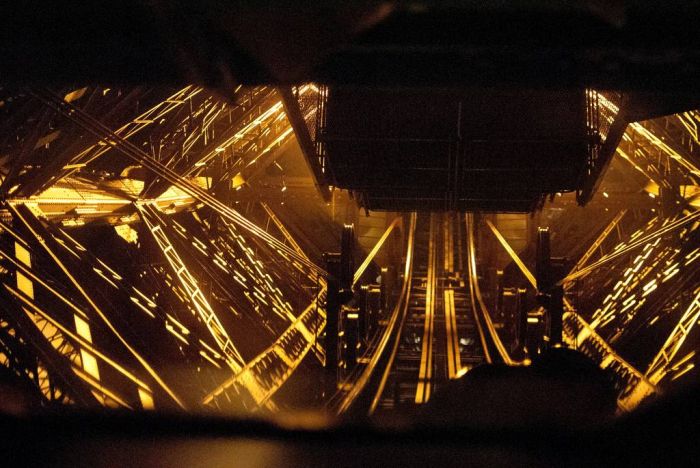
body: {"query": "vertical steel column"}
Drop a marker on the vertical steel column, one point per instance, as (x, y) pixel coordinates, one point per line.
(522, 319)
(550, 294)
(332, 312)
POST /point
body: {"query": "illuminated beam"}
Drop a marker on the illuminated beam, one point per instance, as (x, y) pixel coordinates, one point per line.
(301, 130)
(425, 372)
(689, 120)
(58, 366)
(393, 330)
(659, 366)
(370, 256)
(633, 246)
(599, 240)
(179, 158)
(656, 141)
(665, 148)
(65, 166)
(149, 215)
(136, 154)
(25, 215)
(453, 358)
(521, 265)
(605, 155)
(513, 255)
(638, 386)
(238, 131)
(476, 294)
(49, 342)
(285, 361)
(23, 269)
(256, 165)
(626, 157)
(265, 152)
(257, 132)
(76, 337)
(283, 229)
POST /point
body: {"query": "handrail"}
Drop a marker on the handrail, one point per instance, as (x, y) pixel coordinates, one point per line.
(408, 275)
(360, 382)
(476, 292)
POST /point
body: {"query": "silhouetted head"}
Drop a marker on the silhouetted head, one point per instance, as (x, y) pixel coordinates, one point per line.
(561, 387)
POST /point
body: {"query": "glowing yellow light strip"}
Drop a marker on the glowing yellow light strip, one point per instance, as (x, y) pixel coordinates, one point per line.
(370, 256)
(425, 373)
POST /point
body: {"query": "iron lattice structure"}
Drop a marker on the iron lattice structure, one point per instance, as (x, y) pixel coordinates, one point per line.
(127, 278)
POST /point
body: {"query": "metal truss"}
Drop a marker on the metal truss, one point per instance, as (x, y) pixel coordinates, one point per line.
(596, 245)
(69, 163)
(64, 256)
(20, 351)
(648, 147)
(140, 157)
(191, 129)
(219, 130)
(61, 369)
(280, 226)
(632, 386)
(203, 309)
(664, 361)
(304, 123)
(267, 372)
(641, 278)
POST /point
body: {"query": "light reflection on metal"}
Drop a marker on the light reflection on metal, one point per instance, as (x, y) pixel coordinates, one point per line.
(136, 154)
(147, 118)
(453, 357)
(77, 338)
(401, 309)
(65, 342)
(624, 248)
(644, 132)
(283, 229)
(454, 364)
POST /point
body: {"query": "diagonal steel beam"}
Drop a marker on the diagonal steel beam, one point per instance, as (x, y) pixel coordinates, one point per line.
(23, 214)
(67, 164)
(308, 149)
(633, 246)
(137, 155)
(283, 229)
(513, 255)
(659, 366)
(373, 253)
(151, 218)
(58, 366)
(599, 240)
(256, 376)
